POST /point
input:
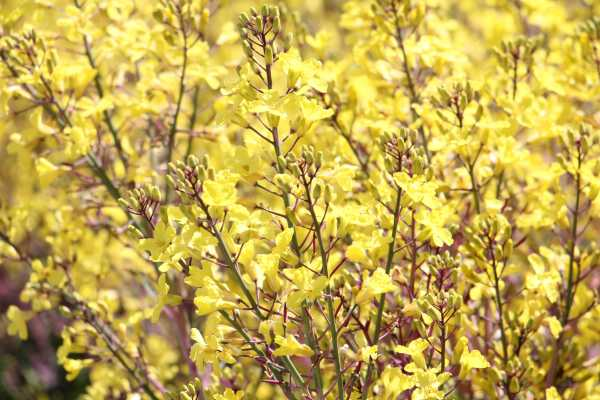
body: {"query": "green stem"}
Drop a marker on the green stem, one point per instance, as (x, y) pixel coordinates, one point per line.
(388, 267)
(316, 370)
(499, 184)
(414, 97)
(286, 199)
(105, 114)
(443, 345)
(500, 312)
(474, 188)
(289, 394)
(572, 245)
(173, 130)
(192, 121)
(328, 294)
(571, 287)
(229, 260)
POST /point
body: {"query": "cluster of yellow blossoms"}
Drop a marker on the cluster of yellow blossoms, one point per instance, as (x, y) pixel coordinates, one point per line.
(318, 199)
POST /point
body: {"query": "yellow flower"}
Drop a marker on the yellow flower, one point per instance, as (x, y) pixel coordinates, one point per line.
(374, 285)
(18, 321)
(414, 349)
(164, 298)
(289, 346)
(471, 360)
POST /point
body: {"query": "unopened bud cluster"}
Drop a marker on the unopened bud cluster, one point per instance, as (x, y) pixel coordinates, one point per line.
(143, 201)
(401, 154)
(576, 145)
(394, 15)
(305, 169)
(189, 391)
(307, 165)
(26, 54)
(187, 178)
(259, 31)
(455, 100)
(147, 196)
(442, 302)
(490, 238)
(181, 17)
(519, 50)
(590, 36)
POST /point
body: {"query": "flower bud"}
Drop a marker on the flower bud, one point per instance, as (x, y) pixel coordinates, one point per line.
(155, 193)
(244, 19)
(123, 203)
(269, 54)
(328, 197)
(171, 182)
(508, 248)
(134, 232)
(276, 25)
(316, 193)
(281, 162)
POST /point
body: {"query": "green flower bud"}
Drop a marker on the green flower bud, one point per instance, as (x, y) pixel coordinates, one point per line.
(276, 25)
(269, 55)
(134, 232)
(264, 10)
(171, 182)
(316, 193)
(123, 203)
(328, 197)
(281, 162)
(244, 19)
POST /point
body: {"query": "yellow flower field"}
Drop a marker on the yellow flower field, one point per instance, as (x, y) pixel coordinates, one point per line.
(307, 200)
